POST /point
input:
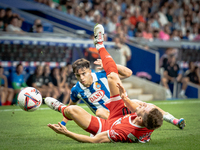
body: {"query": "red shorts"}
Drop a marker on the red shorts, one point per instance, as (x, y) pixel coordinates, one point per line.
(117, 110)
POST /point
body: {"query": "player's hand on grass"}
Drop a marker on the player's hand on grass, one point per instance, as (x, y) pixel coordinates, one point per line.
(122, 91)
(99, 63)
(58, 128)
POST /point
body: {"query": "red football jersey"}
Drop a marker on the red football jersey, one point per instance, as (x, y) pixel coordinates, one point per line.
(123, 130)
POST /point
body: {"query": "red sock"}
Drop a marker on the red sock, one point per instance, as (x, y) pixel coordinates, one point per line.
(62, 111)
(109, 64)
(175, 121)
(8, 103)
(3, 104)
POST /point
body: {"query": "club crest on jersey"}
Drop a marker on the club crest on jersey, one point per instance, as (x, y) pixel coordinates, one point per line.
(96, 96)
(97, 85)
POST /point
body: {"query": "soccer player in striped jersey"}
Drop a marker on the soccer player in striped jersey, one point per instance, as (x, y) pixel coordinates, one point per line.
(135, 127)
(93, 88)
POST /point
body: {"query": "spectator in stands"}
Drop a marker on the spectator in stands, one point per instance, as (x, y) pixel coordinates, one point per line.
(36, 80)
(6, 93)
(59, 81)
(59, 7)
(20, 22)
(64, 85)
(174, 35)
(147, 33)
(1, 25)
(163, 62)
(162, 16)
(34, 27)
(71, 79)
(124, 50)
(165, 34)
(156, 35)
(39, 28)
(2, 15)
(112, 24)
(197, 37)
(91, 54)
(17, 80)
(137, 17)
(48, 81)
(187, 35)
(90, 15)
(173, 74)
(154, 21)
(193, 73)
(170, 15)
(14, 26)
(7, 17)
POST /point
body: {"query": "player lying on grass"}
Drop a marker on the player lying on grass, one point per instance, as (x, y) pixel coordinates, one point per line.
(92, 88)
(119, 127)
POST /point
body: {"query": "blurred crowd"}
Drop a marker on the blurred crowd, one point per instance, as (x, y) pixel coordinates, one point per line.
(12, 22)
(148, 19)
(171, 72)
(56, 82)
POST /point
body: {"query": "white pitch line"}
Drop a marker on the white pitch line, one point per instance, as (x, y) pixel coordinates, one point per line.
(23, 110)
(159, 103)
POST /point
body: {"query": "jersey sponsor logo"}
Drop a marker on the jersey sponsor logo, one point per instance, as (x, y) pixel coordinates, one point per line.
(96, 96)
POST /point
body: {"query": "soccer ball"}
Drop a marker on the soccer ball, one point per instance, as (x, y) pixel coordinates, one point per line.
(29, 99)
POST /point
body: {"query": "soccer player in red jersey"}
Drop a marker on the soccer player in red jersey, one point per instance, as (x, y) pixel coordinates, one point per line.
(120, 126)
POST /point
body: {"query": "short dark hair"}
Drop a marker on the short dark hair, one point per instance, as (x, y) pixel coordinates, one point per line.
(153, 120)
(20, 64)
(39, 25)
(8, 9)
(80, 63)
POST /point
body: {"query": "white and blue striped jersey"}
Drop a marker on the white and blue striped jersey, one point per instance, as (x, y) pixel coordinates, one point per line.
(94, 96)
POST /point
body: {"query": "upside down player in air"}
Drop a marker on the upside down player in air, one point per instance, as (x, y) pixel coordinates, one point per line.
(135, 127)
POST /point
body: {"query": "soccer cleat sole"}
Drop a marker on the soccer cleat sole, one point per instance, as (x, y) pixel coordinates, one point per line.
(181, 123)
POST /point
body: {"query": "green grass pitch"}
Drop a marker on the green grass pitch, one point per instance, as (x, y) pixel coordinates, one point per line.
(20, 130)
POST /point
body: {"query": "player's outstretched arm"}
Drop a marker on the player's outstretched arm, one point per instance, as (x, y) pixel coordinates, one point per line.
(99, 138)
(131, 105)
(123, 71)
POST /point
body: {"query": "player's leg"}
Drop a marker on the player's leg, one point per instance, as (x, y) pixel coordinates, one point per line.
(115, 104)
(108, 63)
(165, 84)
(10, 96)
(102, 113)
(171, 119)
(3, 96)
(166, 116)
(82, 118)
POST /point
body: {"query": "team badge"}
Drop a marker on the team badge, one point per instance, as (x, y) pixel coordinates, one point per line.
(98, 86)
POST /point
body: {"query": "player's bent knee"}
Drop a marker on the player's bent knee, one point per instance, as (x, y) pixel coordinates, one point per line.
(71, 110)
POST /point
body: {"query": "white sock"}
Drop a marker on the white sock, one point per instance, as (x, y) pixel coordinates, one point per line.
(168, 92)
(168, 117)
(98, 46)
(182, 92)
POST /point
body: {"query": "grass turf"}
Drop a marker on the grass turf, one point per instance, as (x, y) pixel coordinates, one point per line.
(28, 130)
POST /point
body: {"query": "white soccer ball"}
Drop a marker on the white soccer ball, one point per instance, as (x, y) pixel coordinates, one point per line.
(29, 99)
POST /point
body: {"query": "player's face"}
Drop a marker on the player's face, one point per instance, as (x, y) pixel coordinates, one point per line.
(144, 109)
(83, 75)
(40, 70)
(20, 69)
